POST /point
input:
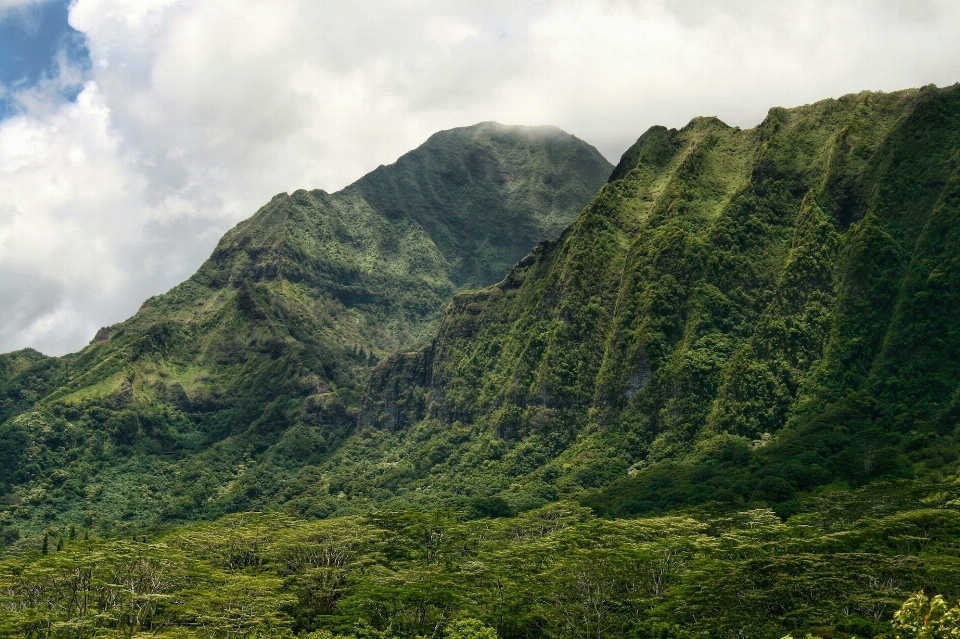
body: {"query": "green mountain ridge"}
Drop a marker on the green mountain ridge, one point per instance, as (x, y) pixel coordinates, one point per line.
(270, 342)
(739, 315)
(721, 403)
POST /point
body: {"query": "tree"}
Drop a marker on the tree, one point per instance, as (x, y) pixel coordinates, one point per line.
(469, 629)
(923, 617)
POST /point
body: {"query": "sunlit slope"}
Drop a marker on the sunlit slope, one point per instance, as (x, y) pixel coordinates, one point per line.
(738, 315)
(279, 328)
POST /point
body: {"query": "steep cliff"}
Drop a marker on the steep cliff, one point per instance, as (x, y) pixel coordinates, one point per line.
(738, 315)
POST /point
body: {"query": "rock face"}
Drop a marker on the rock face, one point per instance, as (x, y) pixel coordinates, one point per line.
(262, 354)
(799, 277)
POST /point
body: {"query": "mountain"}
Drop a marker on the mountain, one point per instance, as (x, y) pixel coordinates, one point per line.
(267, 347)
(722, 403)
(739, 316)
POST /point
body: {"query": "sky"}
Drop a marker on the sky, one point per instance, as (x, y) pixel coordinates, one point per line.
(134, 133)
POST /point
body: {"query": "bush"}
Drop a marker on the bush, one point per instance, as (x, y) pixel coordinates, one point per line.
(470, 629)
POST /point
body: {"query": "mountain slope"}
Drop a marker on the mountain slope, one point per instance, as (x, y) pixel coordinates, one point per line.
(739, 320)
(738, 315)
(270, 342)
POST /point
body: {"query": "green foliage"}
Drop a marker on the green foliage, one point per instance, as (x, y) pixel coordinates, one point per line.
(743, 354)
(839, 568)
(214, 395)
(923, 617)
(469, 629)
(739, 316)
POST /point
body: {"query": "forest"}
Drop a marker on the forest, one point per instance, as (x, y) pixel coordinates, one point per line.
(840, 568)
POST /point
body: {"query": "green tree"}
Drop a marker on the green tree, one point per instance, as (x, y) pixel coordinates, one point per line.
(923, 617)
(469, 629)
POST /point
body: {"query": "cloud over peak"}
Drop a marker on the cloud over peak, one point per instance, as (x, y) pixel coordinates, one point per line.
(193, 113)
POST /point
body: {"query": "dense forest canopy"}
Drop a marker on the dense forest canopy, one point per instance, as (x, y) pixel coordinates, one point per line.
(840, 568)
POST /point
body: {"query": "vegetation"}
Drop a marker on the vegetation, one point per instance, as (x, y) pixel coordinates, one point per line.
(922, 616)
(739, 316)
(724, 402)
(840, 568)
(253, 367)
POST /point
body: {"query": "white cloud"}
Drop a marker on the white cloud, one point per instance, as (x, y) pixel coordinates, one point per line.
(198, 111)
(450, 32)
(605, 67)
(81, 242)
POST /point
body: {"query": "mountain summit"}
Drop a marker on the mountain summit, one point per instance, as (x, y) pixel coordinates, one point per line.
(271, 341)
(739, 316)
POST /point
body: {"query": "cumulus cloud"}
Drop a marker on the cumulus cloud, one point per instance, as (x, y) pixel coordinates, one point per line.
(195, 112)
(641, 63)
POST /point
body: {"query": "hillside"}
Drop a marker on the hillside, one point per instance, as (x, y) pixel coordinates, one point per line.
(739, 316)
(723, 403)
(267, 347)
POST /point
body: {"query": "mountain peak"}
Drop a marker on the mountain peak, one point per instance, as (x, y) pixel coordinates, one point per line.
(278, 330)
(736, 304)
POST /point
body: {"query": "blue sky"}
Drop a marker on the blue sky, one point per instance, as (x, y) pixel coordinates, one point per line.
(31, 37)
(133, 139)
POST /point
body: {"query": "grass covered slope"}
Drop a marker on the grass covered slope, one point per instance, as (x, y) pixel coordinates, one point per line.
(262, 353)
(739, 315)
